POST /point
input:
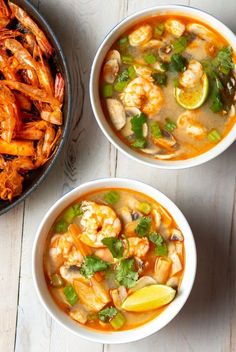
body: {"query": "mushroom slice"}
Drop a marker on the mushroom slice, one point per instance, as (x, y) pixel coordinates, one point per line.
(126, 215)
(116, 112)
(173, 282)
(150, 151)
(167, 141)
(79, 313)
(165, 51)
(166, 156)
(142, 282)
(114, 55)
(176, 235)
(152, 44)
(132, 111)
(71, 273)
(157, 218)
(145, 130)
(110, 70)
(201, 31)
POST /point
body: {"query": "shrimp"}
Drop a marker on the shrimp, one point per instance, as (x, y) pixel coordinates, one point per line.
(27, 22)
(187, 121)
(59, 249)
(98, 222)
(9, 116)
(4, 14)
(141, 35)
(137, 247)
(43, 71)
(192, 75)
(5, 68)
(144, 95)
(59, 87)
(175, 27)
(20, 53)
(8, 33)
(17, 147)
(145, 72)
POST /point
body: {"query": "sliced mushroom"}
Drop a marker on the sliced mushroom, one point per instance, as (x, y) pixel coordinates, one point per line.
(176, 235)
(167, 156)
(167, 141)
(110, 70)
(173, 282)
(113, 55)
(157, 66)
(79, 313)
(145, 130)
(165, 51)
(162, 269)
(151, 151)
(157, 218)
(116, 112)
(71, 273)
(118, 295)
(201, 31)
(142, 282)
(125, 215)
(176, 263)
(232, 111)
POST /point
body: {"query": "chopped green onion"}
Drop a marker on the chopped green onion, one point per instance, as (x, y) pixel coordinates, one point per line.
(71, 212)
(123, 76)
(155, 130)
(159, 30)
(106, 314)
(176, 81)
(131, 71)
(127, 59)
(123, 41)
(164, 66)
(118, 321)
(160, 246)
(161, 250)
(70, 294)
(57, 281)
(120, 86)
(150, 59)
(112, 197)
(61, 226)
(170, 125)
(180, 45)
(137, 122)
(214, 136)
(107, 90)
(139, 143)
(144, 207)
(160, 78)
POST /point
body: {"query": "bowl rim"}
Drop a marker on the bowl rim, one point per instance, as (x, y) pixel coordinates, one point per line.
(155, 324)
(67, 122)
(98, 112)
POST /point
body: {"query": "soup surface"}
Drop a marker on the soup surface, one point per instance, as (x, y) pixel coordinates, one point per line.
(114, 259)
(167, 87)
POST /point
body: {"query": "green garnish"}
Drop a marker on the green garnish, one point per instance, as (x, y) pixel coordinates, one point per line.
(123, 42)
(170, 125)
(61, 226)
(214, 136)
(125, 273)
(131, 71)
(106, 314)
(224, 61)
(176, 81)
(180, 45)
(159, 30)
(57, 281)
(144, 207)
(160, 78)
(70, 294)
(118, 321)
(124, 76)
(150, 59)
(160, 246)
(115, 246)
(143, 226)
(217, 104)
(178, 63)
(139, 143)
(71, 212)
(111, 197)
(164, 66)
(137, 122)
(120, 86)
(155, 130)
(127, 59)
(92, 264)
(107, 90)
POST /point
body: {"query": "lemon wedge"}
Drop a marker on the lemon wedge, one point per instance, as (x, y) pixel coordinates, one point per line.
(148, 298)
(193, 98)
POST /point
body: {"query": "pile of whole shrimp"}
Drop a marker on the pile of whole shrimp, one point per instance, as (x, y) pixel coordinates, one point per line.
(31, 98)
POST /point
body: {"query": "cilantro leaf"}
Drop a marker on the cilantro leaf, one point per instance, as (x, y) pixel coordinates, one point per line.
(124, 76)
(180, 45)
(139, 143)
(106, 314)
(160, 246)
(178, 63)
(92, 264)
(137, 122)
(160, 78)
(115, 246)
(125, 273)
(143, 226)
(223, 60)
(111, 197)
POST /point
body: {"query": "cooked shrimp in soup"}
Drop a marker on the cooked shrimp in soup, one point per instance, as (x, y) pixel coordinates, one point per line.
(168, 87)
(114, 259)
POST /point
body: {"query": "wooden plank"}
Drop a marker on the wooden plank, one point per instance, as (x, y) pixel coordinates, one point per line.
(10, 249)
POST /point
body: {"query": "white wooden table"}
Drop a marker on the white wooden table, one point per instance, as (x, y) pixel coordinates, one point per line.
(205, 194)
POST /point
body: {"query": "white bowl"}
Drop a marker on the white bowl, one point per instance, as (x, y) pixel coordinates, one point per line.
(112, 36)
(123, 336)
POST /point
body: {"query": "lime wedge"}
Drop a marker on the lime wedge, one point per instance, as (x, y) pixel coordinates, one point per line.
(148, 298)
(193, 98)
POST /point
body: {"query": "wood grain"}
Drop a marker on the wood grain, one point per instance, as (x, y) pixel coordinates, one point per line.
(206, 195)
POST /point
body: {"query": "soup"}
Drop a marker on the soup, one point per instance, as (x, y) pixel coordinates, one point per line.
(167, 87)
(114, 259)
